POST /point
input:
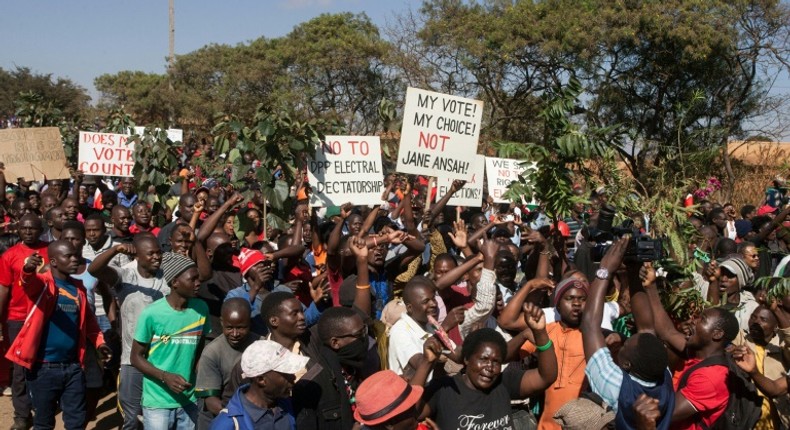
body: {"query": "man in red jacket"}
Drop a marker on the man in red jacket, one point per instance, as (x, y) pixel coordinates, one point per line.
(15, 303)
(51, 344)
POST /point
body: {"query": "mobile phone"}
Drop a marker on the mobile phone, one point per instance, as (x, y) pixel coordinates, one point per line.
(508, 218)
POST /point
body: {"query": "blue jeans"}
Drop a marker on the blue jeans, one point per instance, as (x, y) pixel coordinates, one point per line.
(184, 418)
(50, 384)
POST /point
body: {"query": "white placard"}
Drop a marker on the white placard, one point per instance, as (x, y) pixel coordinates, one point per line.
(472, 193)
(500, 172)
(346, 169)
(106, 154)
(439, 134)
(174, 134)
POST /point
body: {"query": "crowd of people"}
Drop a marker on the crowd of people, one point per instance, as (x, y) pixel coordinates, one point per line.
(411, 314)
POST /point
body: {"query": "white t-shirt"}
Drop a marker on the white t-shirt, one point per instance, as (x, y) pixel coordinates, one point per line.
(135, 293)
(406, 340)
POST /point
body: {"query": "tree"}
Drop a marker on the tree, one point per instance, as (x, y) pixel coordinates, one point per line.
(144, 95)
(642, 64)
(336, 71)
(62, 94)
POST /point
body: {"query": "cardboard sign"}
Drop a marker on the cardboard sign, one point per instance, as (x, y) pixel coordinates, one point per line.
(500, 172)
(106, 154)
(33, 153)
(439, 134)
(346, 169)
(472, 193)
(174, 134)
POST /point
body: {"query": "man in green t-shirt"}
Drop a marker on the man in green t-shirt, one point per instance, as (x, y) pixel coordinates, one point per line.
(167, 341)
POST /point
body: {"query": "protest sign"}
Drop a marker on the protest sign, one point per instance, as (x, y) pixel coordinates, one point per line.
(33, 153)
(500, 172)
(439, 134)
(472, 193)
(106, 154)
(174, 134)
(346, 169)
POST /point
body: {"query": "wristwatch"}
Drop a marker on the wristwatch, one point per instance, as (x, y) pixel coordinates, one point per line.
(602, 273)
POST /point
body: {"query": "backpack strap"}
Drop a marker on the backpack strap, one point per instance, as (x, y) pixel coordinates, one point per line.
(716, 360)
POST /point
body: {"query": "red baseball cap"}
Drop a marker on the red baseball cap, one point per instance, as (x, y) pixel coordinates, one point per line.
(765, 209)
(249, 258)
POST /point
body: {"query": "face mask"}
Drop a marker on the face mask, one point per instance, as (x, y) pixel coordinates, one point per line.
(354, 354)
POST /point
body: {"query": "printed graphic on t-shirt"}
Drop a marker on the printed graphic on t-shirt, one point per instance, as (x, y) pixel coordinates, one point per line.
(189, 335)
(479, 422)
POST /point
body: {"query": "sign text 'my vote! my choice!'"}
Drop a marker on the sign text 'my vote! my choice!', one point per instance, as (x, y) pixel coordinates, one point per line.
(346, 169)
(439, 134)
(106, 154)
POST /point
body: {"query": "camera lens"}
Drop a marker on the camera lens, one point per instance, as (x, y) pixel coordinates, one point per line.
(606, 217)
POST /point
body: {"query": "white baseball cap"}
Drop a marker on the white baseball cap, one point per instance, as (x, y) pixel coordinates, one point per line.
(263, 356)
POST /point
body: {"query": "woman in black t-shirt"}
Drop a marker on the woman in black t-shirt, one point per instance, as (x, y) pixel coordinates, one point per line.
(480, 396)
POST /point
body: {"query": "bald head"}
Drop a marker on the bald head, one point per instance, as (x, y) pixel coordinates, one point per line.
(235, 306)
(215, 240)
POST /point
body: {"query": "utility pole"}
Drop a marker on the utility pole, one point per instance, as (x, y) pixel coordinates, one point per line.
(171, 59)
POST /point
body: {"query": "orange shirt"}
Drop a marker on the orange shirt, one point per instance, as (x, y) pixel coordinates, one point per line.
(570, 371)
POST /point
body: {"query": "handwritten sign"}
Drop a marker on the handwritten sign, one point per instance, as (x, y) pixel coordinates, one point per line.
(439, 134)
(33, 153)
(106, 154)
(500, 172)
(174, 134)
(472, 193)
(346, 169)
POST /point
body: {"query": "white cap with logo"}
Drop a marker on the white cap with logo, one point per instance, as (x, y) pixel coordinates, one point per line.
(263, 356)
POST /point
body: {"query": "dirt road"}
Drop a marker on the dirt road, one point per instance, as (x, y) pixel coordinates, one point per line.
(108, 417)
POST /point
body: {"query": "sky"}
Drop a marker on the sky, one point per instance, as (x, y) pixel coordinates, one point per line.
(83, 39)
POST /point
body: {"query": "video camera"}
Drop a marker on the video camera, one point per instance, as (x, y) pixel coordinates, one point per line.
(641, 248)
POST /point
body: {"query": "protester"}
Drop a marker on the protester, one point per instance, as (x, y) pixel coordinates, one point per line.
(264, 403)
(323, 397)
(642, 362)
(17, 304)
(218, 358)
(702, 393)
(481, 396)
(52, 344)
(167, 342)
(136, 285)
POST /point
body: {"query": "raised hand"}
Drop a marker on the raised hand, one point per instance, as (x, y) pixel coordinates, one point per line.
(457, 185)
(534, 317)
(319, 288)
(613, 258)
(345, 210)
(713, 271)
(397, 237)
(358, 247)
(455, 317)
(126, 249)
(459, 235)
(235, 199)
(490, 248)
